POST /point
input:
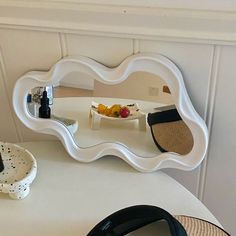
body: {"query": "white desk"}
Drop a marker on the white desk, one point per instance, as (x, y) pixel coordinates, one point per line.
(68, 198)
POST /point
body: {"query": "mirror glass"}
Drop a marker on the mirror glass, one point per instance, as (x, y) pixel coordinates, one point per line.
(95, 113)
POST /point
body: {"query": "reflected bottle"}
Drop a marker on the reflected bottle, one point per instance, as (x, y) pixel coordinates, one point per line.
(32, 106)
(49, 90)
(44, 109)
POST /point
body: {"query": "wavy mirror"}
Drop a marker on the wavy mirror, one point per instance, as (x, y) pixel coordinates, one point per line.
(138, 111)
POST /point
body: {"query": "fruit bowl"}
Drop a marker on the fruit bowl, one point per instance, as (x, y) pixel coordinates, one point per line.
(134, 114)
(20, 169)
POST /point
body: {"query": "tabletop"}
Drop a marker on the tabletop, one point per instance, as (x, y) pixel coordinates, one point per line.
(69, 197)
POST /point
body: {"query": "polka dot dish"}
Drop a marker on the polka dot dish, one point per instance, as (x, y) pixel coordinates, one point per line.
(20, 169)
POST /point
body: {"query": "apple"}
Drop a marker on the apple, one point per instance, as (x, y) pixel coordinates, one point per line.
(124, 112)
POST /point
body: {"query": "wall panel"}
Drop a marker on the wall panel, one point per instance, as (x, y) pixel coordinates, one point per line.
(107, 50)
(194, 61)
(24, 51)
(220, 187)
(8, 132)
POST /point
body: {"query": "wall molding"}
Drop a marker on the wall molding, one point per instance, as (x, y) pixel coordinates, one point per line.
(63, 45)
(208, 116)
(202, 5)
(136, 48)
(4, 80)
(132, 21)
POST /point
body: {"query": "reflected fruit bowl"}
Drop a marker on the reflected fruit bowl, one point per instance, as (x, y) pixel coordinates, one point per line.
(133, 114)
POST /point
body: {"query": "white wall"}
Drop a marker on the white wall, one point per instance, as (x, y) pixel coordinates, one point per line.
(78, 80)
(220, 186)
(203, 47)
(137, 86)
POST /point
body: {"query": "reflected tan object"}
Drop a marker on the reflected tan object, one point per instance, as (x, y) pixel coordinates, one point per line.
(174, 136)
(170, 133)
(198, 227)
(166, 89)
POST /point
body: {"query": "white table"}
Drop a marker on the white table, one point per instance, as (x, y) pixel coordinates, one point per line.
(68, 198)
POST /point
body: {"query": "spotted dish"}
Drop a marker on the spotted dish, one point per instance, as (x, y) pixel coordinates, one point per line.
(20, 169)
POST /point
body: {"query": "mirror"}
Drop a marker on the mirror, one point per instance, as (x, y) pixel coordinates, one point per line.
(95, 113)
(139, 111)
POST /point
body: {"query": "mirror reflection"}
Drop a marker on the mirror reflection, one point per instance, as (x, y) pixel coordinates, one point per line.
(138, 113)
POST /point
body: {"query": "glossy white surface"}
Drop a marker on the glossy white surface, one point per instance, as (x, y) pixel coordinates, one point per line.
(69, 198)
(146, 62)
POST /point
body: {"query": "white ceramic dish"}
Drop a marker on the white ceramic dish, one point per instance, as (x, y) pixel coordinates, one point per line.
(135, 114)
(20, 169)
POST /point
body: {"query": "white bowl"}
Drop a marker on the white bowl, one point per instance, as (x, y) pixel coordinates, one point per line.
(20, 169)
(135, 114)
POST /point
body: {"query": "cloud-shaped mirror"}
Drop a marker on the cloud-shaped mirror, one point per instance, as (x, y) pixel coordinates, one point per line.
(139, 111)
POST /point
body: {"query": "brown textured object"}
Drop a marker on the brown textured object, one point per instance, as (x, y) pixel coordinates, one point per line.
(198, 227)
(173, 136)
(166, 89)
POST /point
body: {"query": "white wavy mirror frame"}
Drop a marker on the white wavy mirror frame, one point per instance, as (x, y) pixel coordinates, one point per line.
(145, 62)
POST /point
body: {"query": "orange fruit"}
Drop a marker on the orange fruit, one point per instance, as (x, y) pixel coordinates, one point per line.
(107, 112)
(102, 108)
